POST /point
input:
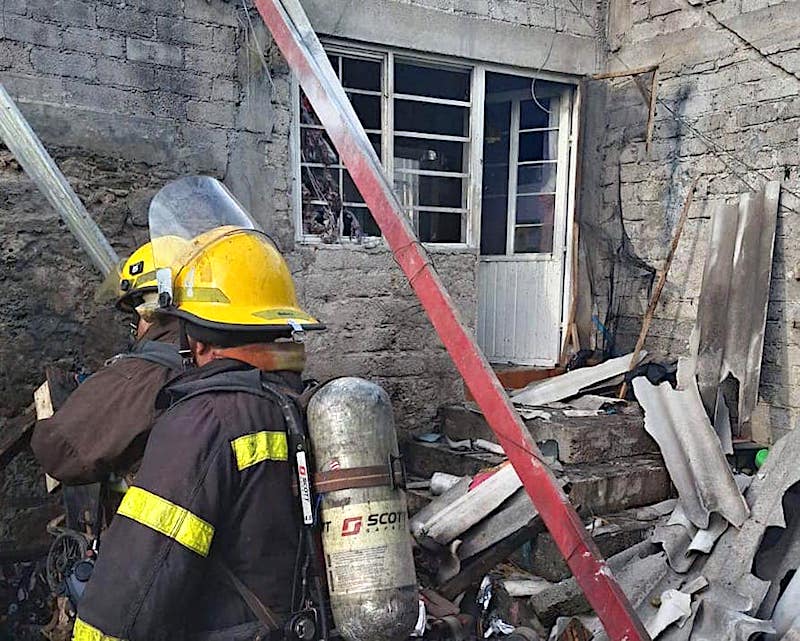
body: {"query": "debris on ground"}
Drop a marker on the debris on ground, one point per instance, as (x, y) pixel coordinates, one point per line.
(704, 548)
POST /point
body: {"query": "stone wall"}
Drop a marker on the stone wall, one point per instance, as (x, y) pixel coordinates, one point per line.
(728, 112)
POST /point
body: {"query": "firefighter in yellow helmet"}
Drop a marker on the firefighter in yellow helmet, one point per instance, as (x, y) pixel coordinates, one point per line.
(103, 425)
(209, 538)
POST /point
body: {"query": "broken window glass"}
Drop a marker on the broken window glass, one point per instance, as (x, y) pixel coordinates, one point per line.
(332, 206)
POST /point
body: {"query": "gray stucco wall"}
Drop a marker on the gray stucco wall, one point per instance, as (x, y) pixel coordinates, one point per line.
(730, 72)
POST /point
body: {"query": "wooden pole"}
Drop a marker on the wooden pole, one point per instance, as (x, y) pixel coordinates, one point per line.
(662, 279)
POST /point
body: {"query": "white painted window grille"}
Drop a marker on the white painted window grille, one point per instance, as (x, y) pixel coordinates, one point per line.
(426, 116)
(417, 114)
(331, 206)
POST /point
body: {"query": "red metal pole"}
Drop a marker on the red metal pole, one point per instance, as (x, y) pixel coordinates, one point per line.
(295, 36)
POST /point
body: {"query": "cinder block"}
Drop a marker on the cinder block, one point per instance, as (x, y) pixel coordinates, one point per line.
(590, 439)
(184, 83)
(217, 113)
(216, 63)
(15, 56)
(98, 41)
(32, 31)
(596, 488)
(214, 11)
(63, 63)
(224, 38)
(126, 20)
(224, 89)
(18, 7)
(24, 87)
(154, 52)
(124, 72)
(160, 7)
(617, 532)
(63, 12)
(511, 11)
(101, 97)
(184, 32)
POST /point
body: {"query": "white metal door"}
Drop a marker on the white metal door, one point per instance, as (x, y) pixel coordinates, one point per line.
(524, 221)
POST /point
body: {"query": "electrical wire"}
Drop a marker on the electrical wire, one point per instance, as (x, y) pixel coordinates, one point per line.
(546, 60)
(717, 152)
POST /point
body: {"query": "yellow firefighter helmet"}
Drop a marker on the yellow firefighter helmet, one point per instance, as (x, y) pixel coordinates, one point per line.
(137, 277)
(235, 279)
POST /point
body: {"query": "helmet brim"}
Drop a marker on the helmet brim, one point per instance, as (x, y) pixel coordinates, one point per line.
(266, 327)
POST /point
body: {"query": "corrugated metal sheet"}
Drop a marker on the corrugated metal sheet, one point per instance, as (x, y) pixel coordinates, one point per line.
(519, 318)
(732, 311)
(676, 419)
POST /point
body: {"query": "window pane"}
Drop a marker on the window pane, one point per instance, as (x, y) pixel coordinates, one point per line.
(307, 114)
(319, 219)
(368, 109)
(429, 118)
(494, 212)
(437, 155)
(536, 209)
(430, 191)
(533, 240)
(436, 227)
(533, 179)
(375, 139)
(364, 224)
(315, 146)
(361, 74)
(334, 59)
(321, 184)
(429, 81)
(349, 190)
(532, 116)
(538, 145)
(494, 207)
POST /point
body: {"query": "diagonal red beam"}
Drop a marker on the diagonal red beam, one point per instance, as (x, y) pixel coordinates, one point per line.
(295, 36)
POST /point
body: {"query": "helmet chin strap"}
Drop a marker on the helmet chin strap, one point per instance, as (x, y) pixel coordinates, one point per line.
(185, 349)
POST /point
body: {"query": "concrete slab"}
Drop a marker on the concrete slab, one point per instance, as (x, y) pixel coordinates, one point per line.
(590, 439)
(595, 488)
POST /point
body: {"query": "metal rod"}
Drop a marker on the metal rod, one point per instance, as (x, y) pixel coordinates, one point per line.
(302, 50)
(42, 169)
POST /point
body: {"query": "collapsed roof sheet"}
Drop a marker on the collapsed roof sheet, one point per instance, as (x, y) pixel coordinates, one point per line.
(573, 383)
(732, 311)
(675, 418)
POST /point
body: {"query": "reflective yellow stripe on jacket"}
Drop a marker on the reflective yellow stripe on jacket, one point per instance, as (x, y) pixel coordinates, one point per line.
(85, 632)
(261, 446)
(171, 520)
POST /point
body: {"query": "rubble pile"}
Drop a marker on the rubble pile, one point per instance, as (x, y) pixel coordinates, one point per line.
(704, 550)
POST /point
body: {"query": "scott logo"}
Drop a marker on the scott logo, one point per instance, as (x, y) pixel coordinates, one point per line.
(352, 526)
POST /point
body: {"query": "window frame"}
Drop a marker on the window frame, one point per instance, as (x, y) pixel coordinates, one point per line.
(473, 181)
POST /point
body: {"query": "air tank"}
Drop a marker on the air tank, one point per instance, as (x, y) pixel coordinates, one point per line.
(365, 535)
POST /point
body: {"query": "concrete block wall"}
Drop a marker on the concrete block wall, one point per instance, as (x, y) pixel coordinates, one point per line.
(126, 96)
(577, 18)
(728, 112)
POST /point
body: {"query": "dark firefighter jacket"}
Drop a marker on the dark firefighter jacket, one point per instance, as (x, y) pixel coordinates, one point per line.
(103, 425)
(214, 488)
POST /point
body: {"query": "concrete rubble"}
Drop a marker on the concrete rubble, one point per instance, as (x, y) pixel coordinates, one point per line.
(711, 564)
